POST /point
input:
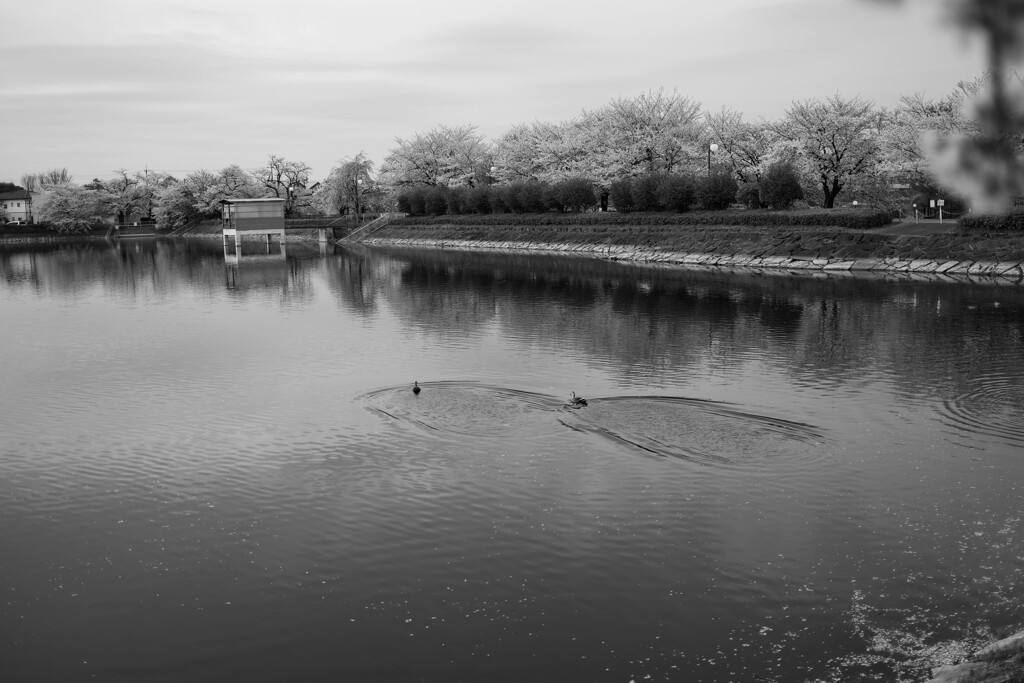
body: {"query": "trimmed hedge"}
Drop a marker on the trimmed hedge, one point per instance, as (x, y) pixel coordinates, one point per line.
(47, 230)
(840, 218)
(1012, 221)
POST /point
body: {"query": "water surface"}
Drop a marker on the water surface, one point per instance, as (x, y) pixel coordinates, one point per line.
(217, 471)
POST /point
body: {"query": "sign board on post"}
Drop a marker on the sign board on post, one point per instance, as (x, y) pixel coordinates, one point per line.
(942, 202)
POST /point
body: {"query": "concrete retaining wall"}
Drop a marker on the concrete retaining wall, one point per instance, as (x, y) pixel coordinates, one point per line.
(1008, 268)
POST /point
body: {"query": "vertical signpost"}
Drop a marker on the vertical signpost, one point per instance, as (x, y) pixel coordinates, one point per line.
(941, 203)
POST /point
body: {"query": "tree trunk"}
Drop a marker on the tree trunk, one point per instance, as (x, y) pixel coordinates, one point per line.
(830, 191)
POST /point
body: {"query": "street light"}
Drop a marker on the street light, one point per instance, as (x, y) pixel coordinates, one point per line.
(359, 184)
(713, 147)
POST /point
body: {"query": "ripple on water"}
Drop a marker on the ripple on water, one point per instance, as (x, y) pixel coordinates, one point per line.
(689, 429)
(467, 408)
(700, 431)
(993, 405)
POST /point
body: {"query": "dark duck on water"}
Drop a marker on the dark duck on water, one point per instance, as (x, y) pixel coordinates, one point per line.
(415, 387)
(577, 401)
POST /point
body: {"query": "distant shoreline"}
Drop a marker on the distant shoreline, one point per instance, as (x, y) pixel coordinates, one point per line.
(921, 249)
(942, 253)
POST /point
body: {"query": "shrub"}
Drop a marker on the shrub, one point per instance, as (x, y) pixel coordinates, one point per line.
(676, 192)
(478, 199)
(552, 198)
(510, 198)
(780, 186)
(455, 199)
(621, 194)
(403, 203)
(749, 195)
(576, 194)
(418, 201)
(435, 201)
(716, 191)
(974, 223)
(645, 193)
(530, 196)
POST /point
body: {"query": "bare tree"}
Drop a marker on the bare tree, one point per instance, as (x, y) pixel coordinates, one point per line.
(55, 177)
(38, 182)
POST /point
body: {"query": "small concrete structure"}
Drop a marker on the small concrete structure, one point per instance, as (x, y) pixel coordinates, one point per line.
(136, 230)
(242, 217)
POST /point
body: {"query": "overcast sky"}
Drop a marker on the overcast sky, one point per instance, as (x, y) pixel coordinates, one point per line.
(179, 85)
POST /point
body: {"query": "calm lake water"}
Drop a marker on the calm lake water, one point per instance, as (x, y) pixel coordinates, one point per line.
(217, 471)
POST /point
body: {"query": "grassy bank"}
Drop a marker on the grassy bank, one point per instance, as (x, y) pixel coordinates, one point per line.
(795, 241)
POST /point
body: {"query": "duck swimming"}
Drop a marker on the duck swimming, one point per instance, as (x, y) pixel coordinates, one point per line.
(415, 387)
(577, 401)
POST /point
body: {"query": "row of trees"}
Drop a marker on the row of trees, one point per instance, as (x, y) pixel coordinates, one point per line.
(197, 196)
(819, 150)
(658, 150)
(162, 198)
(833, 146)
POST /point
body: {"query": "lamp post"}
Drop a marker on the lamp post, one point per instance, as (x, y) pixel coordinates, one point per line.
(359, 184)
(713, 147)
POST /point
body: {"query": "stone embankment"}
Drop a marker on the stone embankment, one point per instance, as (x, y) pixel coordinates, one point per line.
(796, 249)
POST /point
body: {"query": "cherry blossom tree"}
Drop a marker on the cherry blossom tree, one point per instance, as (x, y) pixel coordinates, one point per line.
(656, 131)
(71, 208)
(742, 145)
(445, 156)
(349, 186)
(835, 139)
(123, 195)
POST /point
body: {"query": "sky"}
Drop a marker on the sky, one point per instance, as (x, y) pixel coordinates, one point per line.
(181, 85)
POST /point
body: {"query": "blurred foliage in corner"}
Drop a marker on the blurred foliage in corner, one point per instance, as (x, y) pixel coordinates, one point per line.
(987, 166)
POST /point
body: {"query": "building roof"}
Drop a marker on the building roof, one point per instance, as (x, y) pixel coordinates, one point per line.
(245, 199)
(15, 194)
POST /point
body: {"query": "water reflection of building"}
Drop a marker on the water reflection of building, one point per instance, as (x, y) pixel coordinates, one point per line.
(245, 270)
